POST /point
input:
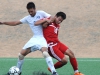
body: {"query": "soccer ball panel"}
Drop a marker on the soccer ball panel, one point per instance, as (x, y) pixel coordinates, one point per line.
(14, 70)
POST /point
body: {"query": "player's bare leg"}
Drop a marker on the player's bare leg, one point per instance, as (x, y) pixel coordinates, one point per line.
(73, 62)
(49, 60)
(59, 64)
(21, 56)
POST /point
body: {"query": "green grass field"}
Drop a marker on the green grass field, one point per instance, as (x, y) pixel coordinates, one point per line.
(88, 66)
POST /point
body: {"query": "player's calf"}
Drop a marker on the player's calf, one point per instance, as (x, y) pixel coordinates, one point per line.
(59, 64)
(48, 59)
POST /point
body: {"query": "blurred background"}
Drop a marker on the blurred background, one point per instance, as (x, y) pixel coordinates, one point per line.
(80, 31)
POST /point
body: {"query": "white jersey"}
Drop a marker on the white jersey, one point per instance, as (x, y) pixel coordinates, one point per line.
(37, 41)
(37, 30)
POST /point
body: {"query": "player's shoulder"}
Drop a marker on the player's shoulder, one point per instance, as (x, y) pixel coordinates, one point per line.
(28, 16)
(40, 11)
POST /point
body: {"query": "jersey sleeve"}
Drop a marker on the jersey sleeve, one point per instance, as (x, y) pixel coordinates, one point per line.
(24, 20)
(45, 15)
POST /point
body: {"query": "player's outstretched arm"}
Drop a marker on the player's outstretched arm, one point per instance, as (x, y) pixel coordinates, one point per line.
(13, 23)
(40, 22)
(43, 22)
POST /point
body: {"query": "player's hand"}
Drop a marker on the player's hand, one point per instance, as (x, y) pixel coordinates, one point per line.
(48, 21)
(45, 24)
(52, 19)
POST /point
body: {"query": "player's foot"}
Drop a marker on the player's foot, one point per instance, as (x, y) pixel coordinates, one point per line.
(78, 73)
(9, 74)
(54, 73)
(49, 69)
(20, 73)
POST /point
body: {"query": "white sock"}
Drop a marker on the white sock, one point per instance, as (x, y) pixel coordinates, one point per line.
(50, 64)
(76, 71)
(20, 63)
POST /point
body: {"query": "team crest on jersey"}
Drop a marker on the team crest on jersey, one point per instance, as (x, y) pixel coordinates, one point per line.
(38, 17)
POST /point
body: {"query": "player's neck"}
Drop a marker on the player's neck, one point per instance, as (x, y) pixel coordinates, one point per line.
(55, 23)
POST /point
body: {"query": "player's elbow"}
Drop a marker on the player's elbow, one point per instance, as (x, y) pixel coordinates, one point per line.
(16, 23)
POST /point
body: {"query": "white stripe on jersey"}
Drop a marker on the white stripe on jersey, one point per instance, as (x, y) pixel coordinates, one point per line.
(55, 28)
(52, 51)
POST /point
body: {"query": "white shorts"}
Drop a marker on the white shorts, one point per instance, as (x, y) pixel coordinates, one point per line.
(36, 41)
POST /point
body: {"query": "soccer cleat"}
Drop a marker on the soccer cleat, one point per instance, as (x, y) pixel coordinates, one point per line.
(54, 73)
(20, 73)
(49, 69)
(9, 74)
(78, 73)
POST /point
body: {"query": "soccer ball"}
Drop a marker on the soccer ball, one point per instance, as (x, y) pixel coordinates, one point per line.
(14, 70)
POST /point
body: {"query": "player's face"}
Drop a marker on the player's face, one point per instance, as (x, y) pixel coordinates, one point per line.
(32, 12)
(58, 20)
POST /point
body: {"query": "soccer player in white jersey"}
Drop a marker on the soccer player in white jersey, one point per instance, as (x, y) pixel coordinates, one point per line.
(37, 42)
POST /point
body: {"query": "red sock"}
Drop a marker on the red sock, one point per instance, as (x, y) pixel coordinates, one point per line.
(74, 63)
(58, 65)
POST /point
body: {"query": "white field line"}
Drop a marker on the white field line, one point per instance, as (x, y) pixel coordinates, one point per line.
(77, 59)
(44, 59)
(88, 60)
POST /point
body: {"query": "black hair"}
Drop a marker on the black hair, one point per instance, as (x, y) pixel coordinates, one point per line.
(30, 5)
(62, 14)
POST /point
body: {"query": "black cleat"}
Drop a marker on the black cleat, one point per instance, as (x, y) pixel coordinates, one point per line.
(9, 74)
(20, 73)
(54, 73)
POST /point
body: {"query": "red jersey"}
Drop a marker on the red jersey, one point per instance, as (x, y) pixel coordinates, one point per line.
(51, 33)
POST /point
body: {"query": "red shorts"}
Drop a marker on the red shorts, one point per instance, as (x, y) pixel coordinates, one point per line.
(57, 50)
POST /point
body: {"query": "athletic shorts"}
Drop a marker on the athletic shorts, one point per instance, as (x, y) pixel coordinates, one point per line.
(36, 42)
(57, 50)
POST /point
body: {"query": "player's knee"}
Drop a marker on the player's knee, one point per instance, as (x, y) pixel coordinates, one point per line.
(21, 57)
(45, 54)
(64, 60)
(44, 49)
(70, 53)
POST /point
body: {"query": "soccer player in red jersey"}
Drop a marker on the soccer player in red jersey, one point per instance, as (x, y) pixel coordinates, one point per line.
(55, 48)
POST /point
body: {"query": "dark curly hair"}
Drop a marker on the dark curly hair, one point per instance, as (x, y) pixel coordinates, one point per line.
(30, 5)
(62, 14)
